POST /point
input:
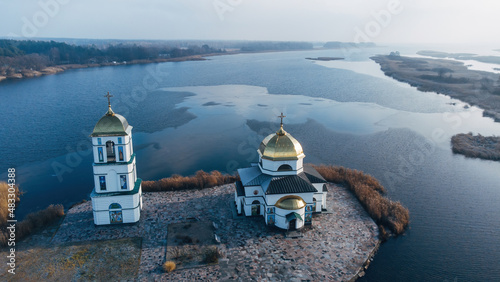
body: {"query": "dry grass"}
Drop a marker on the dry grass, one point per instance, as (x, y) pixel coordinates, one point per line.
(389, 214)
(476, 146)
(4, 201)
(169, 266)
(191, 244)
(107, 260)
(200, 180)
(33, 222)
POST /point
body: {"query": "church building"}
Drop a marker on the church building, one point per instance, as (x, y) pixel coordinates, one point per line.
(117, 194)
(280, 187)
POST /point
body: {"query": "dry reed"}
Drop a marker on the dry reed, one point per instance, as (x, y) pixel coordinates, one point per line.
(200, 180)
(388, 214)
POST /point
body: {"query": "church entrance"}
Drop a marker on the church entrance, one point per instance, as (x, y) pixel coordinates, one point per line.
(292, 225)
(115, 213)
(255, 208)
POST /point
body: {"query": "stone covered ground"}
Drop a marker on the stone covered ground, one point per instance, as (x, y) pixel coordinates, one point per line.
(334, 249)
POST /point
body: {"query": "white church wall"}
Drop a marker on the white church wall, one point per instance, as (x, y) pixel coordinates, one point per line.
(281, 217)
(125, 201)
(250, 191)
(119, 168)
(129, 216)
(271, 167)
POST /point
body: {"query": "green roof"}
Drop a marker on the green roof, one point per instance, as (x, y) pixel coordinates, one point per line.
(110, 124)
(292, 216)
(137, 185)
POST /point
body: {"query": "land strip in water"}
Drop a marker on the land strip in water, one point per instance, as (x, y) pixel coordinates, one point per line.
(452, 78)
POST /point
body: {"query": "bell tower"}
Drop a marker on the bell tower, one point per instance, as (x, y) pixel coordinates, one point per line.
(117, 194)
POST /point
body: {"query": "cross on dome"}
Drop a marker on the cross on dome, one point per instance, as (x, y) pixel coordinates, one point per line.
(109, 101)
(281, 117)
(110, 111)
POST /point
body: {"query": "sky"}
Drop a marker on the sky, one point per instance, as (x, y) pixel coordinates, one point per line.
(386, 21)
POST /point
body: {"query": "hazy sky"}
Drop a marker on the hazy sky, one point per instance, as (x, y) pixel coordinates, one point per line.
(387, 21)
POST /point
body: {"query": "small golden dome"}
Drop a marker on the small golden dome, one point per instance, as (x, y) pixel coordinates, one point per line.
(290, 203)
(281, 146)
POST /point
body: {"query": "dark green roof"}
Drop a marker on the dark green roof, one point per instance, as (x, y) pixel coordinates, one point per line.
(110, 124)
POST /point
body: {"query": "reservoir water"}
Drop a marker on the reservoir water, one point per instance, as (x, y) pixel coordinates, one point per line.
(212, 114)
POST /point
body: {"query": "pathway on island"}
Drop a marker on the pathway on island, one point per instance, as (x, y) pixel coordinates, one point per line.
(334, 249)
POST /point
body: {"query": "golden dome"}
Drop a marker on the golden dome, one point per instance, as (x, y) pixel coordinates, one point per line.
(281, 146)
(290, 203)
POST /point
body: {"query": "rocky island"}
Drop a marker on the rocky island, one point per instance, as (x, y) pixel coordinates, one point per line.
(337, 247)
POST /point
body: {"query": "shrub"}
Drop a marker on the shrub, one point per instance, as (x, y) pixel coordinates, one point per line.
(34, 221)
(388, 214)
(211, 255)
(200, 180)
(169, 266)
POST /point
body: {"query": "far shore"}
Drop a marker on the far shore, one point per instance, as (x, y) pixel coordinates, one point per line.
(478, 88)
(60, 68)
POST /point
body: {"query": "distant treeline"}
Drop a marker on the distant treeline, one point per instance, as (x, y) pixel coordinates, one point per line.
(338, 44)
(274, 45)
(16, 55)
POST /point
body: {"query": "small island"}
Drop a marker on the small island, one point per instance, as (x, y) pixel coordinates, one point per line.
(325, 58)
(476, 146)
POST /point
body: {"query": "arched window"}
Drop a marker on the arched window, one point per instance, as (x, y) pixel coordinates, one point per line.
(110, 151)
(285, 167)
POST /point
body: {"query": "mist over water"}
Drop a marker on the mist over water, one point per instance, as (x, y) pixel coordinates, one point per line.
(213, 114)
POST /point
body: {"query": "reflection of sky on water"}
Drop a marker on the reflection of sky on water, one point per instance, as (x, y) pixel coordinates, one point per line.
(348, 117)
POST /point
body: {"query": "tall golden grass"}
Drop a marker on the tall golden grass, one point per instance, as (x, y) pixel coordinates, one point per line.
(476, 146)
(33, 222)
(200, 180)
(388, 214)
(4, 203)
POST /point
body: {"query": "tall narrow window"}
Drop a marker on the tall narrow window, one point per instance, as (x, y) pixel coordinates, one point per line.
(120, 153)
(123, 182)
(99, 141)
(110, 151)
(119, 140)
(102, 182)
(100, 153)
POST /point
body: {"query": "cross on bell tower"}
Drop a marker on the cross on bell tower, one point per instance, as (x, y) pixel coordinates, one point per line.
(110, 111)
(281, 117)
(109, 101)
